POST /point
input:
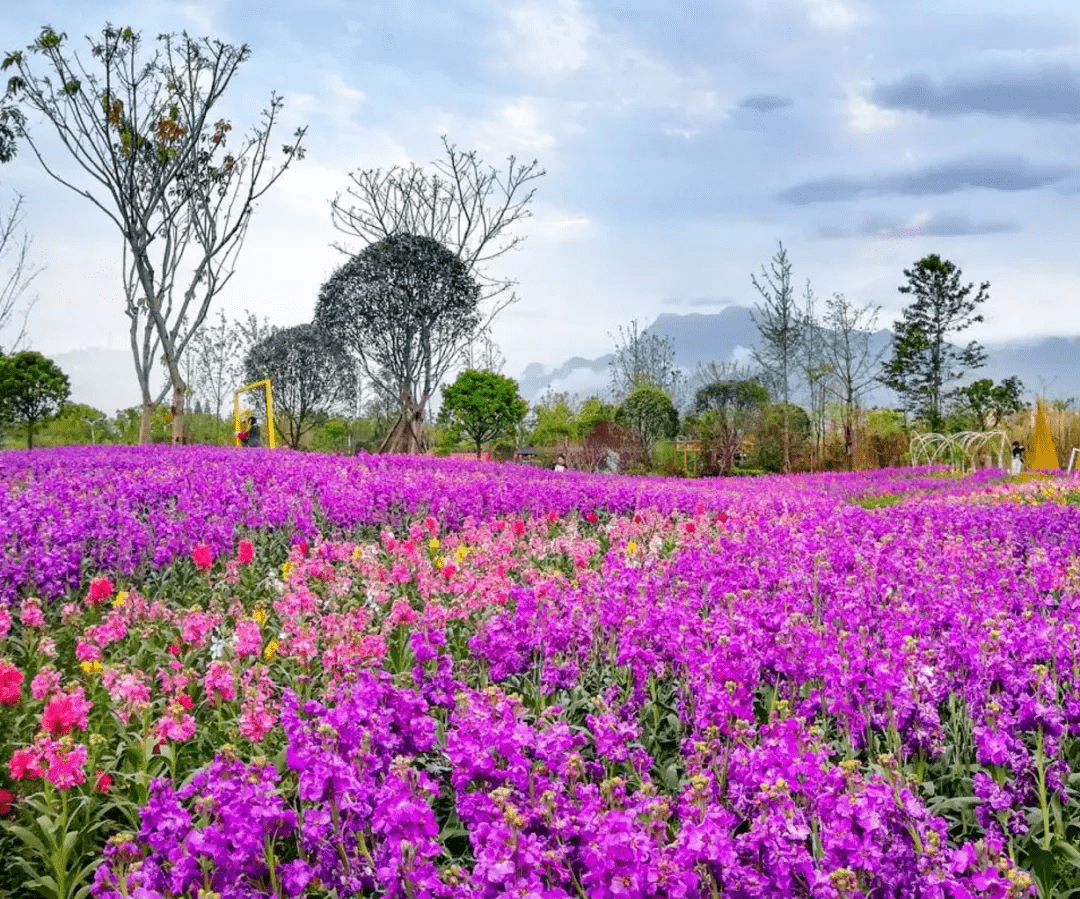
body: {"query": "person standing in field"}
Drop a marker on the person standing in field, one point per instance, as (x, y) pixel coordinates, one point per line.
(1017, 457)
(560, 463)
(252, 436)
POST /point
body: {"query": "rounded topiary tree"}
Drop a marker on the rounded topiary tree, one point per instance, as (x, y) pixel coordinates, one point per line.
(650, 415)
(405, 307)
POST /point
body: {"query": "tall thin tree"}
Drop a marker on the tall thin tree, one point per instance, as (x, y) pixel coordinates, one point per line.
(150, 155)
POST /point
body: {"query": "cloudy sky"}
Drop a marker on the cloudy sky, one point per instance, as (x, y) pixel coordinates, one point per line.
(681, 140)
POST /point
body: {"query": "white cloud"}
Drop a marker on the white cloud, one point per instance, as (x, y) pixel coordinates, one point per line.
(547, 38)
(863, 116)
(831, 15)
(523, 118)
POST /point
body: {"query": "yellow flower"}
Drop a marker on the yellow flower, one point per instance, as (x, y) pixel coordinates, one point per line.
(460, 553)
(631, 547)
(120, 599)
(91, 667)
(440, 562)
(287, 568)
(271, 650)
(434, 543)
(260, 616)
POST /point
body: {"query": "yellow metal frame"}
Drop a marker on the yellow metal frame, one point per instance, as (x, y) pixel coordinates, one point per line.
(265, 384)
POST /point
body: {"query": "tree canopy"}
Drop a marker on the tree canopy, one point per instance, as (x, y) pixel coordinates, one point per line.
(727, 409)
(924, 363)
(405, 307)
(484, 405)
(32, 389)
(308, 373)
(649, 415)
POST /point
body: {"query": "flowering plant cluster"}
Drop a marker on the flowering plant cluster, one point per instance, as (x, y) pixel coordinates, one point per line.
(511, 683)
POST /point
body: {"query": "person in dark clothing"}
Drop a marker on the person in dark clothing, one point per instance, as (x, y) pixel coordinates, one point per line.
(252, 436)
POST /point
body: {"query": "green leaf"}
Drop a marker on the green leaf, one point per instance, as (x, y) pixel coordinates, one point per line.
(28, 837)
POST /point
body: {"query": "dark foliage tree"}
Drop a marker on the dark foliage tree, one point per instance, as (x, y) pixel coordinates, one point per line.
(989, 404)
(149, 153)
(780, 324)
(853, 364)
(32, 389)
(641, 359)
(780, 426)
(484, 405)
(649, 414)
(462, 204)
(725, 410)
(924, 363)
(405, 307)
(309, 374)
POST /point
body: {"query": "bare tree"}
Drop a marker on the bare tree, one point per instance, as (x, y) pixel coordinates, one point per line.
(483, 354)
(780, 325)
(17, 274)
(854, 365)
(816, 369)
(463, 204)
(642, 359)
(161, 168)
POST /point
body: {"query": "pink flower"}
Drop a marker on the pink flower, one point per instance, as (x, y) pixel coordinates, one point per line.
(66, 768)
(431, 524)
(518, 527)
(101, 589)
(203, 557)
(248, 638)
(218, 683)
(46, 683)
(245, 552)
(24, 763)
(66, 711)
(6, 800)
(30, 613)
(11, 679)
(87, 652)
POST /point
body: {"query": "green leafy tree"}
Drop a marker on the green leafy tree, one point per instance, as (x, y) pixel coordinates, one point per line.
(556, 422)
(77, 423)
(924, 363)
(650, 415)
(783, 429)
(152, 152)
(726, 410)
(989, 403)
(32, 389)
(484, 405)
(309, 374)
(406, 307)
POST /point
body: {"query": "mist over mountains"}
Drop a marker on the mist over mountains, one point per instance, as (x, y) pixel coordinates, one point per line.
(1048, 366)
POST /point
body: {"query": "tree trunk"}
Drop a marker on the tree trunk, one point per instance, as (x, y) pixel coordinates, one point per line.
(146, 420)
(178, 413)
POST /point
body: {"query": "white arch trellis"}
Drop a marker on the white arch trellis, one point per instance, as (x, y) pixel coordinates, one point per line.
(961, 450)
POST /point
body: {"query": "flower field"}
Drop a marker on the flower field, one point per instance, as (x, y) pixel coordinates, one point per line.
(255, 673)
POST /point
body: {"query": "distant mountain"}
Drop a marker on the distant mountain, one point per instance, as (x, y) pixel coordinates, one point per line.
(1049, 366)
(104, 379)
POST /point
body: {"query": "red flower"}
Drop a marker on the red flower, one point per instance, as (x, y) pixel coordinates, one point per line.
(101, 589)
(11, 679)
(102, 781)
(689, 527)
(174, 649)
(6, 799)
(519, 528)
(304, 548)
(591, 517)
(185, 701)
(245, 552)
(203, 557)
(64, 712)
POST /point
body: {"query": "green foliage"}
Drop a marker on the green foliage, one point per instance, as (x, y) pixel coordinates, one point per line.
(649, 415)
(924, 363)
(77, 423)
(988, 403)
(483, 405)
(726, 410)
(405, 306)
(780, 426)
(32, 389)
(308, 372)
(592, 412)
(556, 422)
